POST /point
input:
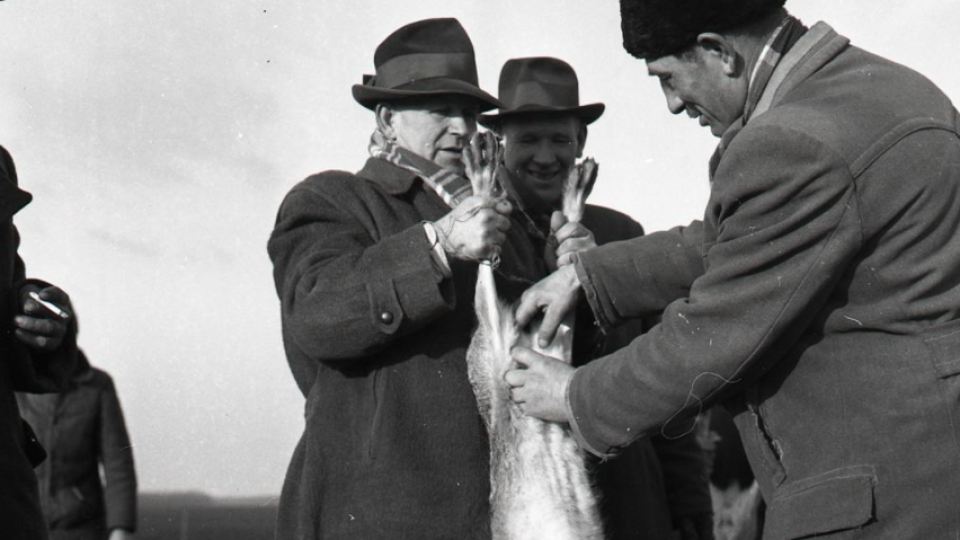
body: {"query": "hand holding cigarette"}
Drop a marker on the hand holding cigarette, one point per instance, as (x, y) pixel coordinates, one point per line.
(44, 316)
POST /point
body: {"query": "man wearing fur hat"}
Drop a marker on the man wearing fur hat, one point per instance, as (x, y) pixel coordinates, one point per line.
(376, 272)
(819, 298)
(657, 485)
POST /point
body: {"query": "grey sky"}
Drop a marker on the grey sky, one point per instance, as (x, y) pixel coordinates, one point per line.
(159, 138)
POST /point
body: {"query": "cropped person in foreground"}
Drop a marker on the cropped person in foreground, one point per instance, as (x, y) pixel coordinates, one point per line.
(37, 354)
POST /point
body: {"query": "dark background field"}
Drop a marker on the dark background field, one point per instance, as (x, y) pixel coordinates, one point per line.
(196, 516)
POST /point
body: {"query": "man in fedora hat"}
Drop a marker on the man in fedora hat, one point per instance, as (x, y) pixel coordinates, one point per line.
(819, 298)
(376, 273)
(657, 485)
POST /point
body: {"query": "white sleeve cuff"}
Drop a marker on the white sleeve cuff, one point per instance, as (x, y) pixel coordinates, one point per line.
(437, 253)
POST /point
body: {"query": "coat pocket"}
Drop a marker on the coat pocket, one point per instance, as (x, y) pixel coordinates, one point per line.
(944, 344)
(832, 502)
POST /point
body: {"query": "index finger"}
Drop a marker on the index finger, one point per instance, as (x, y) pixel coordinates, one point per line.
(552, 318)
(528, 309)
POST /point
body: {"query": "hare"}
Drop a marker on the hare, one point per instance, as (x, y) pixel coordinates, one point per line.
(539, 484)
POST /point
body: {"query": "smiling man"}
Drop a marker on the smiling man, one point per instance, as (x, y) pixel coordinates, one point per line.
(819, 298)
(376, 272)
(657, 488)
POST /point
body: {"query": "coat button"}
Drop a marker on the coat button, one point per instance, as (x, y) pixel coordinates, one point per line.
(386, 317)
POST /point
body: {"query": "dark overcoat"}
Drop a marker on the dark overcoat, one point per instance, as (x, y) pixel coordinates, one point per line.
(820, 297)
(20, 370)
(83, 429)
(394, 446)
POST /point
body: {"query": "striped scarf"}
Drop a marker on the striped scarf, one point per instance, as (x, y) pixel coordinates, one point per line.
(783, 38)
(452, 188)
(779, 43)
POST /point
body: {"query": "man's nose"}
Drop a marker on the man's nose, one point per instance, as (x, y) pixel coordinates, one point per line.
(674, 103)
(544, 154)
(461, 125)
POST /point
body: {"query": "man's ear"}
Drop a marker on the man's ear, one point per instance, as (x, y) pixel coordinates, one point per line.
(581, 139)
(385, 117)
(721, 49)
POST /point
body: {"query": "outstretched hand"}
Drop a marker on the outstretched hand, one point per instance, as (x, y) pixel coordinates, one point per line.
(555, 295)
(539, 384)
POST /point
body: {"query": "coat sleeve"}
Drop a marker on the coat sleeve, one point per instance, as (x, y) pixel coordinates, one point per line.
(116, 454)
(788, 225)
(618, 287)
(345, 292)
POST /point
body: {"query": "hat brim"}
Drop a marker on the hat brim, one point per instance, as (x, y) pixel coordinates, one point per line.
(369, 96)
(587, 113)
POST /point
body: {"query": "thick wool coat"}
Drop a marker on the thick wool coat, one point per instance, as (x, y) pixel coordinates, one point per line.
(394, 446)
(20, 370)
(820, 297)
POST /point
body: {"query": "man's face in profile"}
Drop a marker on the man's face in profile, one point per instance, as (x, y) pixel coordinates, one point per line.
(696, 82)
(541, 148)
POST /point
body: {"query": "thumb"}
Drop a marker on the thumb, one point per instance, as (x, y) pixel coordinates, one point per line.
(557, 220)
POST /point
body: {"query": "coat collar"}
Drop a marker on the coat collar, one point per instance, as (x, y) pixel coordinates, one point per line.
(813, 50)
(817, 47)
(395, 180)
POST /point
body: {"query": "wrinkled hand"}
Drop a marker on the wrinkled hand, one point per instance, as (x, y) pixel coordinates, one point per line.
(566, 238)
(539, 384)
(475, 229)
(35, 325)
(554, 295)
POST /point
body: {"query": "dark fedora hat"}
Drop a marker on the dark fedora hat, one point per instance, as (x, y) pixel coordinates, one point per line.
(425, 58)
(655, 28)
(540, 84)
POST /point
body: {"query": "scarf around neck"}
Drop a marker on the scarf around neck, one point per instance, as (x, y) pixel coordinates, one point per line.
(452, 188)
(780, 42)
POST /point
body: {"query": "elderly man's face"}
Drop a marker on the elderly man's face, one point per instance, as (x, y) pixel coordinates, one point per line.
(540, 150)
(437, 128)
(697, 83)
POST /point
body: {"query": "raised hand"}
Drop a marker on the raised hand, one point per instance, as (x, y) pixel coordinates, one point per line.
(38, 326)
(476, 228)
(480, 159)
(568, 238)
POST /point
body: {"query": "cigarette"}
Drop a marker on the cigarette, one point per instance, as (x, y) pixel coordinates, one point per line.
(51, 307)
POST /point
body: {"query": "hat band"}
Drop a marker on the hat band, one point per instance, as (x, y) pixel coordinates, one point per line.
(538, 93)
(410, 68)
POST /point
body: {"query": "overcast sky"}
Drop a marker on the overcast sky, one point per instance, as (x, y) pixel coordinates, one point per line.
(159, 138)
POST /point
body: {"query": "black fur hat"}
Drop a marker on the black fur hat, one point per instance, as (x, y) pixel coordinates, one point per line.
(654, 28)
